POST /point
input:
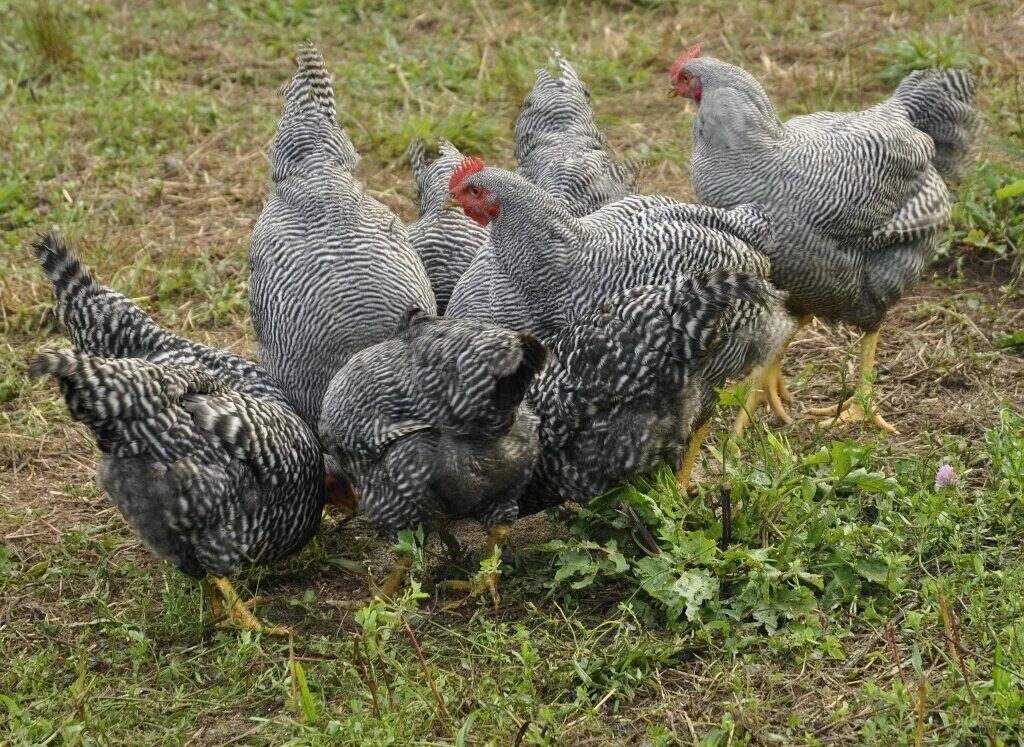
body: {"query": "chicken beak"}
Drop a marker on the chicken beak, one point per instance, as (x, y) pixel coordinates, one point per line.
(672, 93)
(450, 204)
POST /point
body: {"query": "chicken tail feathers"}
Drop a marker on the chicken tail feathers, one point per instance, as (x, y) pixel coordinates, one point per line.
(417, 155)
(308, 134)
(940, 103)
(99, 320)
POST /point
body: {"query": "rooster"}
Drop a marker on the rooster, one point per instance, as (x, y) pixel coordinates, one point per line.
(857, 199)
(201, 452)
(543, 268)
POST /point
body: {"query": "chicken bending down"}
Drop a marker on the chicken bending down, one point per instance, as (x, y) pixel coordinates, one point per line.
(627, 383)
(857, 199)
(202, 453)
(446, 240)
(543, 268)
(332, 268)
(560, 149)
(430, 425)
(207, 477)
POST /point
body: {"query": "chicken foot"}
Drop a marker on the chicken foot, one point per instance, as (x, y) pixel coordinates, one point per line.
(857, 409)
(226, 603)
(685, 474)
(768, 385)
(496, 537)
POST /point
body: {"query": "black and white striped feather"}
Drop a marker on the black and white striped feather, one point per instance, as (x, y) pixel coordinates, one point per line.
(332, 268)
(543, 268)
(429, 425)
(207, 476)
(628, 383)
(855, 198)
(445, 239)
(560, 148)
(102, 322)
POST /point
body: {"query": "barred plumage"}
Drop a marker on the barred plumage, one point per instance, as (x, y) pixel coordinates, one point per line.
(542, 268)
(855, 197)
(446, 240)
(332, 268)
(940, 103)
(560, 149)
(628, 383)
(207, 477)
(429, 424)
(102, 322)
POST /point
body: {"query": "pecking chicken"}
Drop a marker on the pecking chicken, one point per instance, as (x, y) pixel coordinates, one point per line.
(543, 268)
(332, 268)
(429, 425)
(857, 199)
(560, 149)
(446, 240)
(201, 453)
(623, 388)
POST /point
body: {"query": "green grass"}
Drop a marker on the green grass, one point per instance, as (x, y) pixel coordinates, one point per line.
(141, 131)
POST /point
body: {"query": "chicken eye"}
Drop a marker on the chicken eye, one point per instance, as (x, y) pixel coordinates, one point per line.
(475, 191)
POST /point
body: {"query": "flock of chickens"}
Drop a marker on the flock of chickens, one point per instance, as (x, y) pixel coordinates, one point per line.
(534, 337)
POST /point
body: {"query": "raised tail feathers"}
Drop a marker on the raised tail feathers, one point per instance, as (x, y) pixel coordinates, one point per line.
(99, 320)
(940, 103)
(698, 303)
(309, 130)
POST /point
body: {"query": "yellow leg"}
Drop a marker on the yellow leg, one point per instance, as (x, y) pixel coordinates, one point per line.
(858, 409)
(396, 579)
(238, 614)
(495, 542)
(768, 385)
(389, 589)
(685, 474)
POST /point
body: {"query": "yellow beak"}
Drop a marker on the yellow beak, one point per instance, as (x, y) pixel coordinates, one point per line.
(450, 204)
(672, 93)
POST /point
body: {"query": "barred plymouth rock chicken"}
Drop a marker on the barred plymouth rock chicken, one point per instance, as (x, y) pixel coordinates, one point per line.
(624, 387)
(543, 268)
(428, 425)
(332, 268)
(446, 240)
(201, 453)
(857, 199)
(560, 149)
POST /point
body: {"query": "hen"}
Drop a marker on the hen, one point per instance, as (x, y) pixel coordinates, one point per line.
(201, 453)
(543, 268)
(446, 240)
(428, 425)
(332, 268)
(623, 388)
(560, 149)
(857, 199)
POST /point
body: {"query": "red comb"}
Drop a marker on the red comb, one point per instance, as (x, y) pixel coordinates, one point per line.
(468, 165)
(686, 57)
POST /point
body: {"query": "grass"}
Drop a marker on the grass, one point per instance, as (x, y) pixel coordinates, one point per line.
(856, 603)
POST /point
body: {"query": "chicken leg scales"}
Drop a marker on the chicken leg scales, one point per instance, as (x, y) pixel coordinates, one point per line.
(858, 408)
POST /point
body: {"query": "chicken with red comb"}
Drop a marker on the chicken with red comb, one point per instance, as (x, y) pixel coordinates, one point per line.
(857, 199)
